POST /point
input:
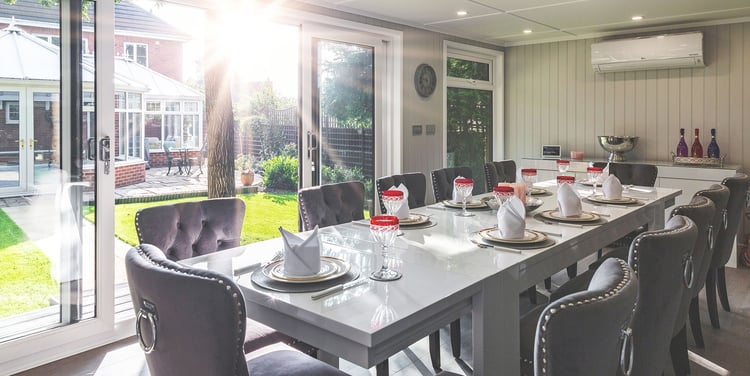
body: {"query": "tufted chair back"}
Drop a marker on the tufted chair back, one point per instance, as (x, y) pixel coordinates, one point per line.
(499, 172)
(581, 333)
(192, 229)
(719, 195)
(415, 182)
(632, 173)
(331, 204)
(189, 321)
(442, 181)
(738, 185)
(701, 211)
(657, 256)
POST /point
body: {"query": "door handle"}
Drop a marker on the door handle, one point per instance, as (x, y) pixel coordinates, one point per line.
(21, 142)
(312, 145)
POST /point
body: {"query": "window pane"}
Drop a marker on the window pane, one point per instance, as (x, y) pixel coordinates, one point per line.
(172, 106)
(472, 70)
(469, 128)
(134, 101)
(153, 106)
(120, 100)
(129, 51)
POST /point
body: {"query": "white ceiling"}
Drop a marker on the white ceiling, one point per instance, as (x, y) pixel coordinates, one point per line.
(502, 22)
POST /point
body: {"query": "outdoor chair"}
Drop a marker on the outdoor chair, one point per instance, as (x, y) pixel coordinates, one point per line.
(331, 204)
(192, 229)
(499, 172)
(657, 259)
(192, 322)
(716, 280)
(583, 333)
(171, 159)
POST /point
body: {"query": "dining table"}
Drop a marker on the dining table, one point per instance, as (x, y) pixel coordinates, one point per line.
(446, 272)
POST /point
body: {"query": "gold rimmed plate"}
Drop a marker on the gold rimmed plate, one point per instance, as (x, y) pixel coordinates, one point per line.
(330, 268)
(414, 220)
(473, 204)
(530, 236)
(617, 201)
(537, 191)
(555, 214)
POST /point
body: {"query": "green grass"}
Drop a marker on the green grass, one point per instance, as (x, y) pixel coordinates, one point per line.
(25, 279)
(264, 213)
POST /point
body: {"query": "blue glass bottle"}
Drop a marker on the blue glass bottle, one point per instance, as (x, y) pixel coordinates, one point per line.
(713, 147)
(682, 149)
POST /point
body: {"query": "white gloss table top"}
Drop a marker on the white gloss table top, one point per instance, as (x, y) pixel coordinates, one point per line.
(444, 276)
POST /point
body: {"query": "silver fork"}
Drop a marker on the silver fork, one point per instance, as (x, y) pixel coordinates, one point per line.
(276, 257)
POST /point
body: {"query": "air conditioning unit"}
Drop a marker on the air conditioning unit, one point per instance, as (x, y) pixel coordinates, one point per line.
(654, 52)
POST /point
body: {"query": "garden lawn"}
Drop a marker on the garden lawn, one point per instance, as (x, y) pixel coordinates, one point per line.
(26, 283)
(264, 213)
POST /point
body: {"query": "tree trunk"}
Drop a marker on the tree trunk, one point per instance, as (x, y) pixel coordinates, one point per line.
(219, 116)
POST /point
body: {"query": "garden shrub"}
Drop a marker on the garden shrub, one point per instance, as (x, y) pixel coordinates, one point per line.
(280, 173)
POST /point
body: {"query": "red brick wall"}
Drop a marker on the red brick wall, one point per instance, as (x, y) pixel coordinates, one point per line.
(126, 173)
(159, 159)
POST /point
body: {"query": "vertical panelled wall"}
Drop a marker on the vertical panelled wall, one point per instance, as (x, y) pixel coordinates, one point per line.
(553, 96)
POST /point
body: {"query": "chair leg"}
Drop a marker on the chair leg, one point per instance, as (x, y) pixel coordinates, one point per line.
(169, 166)
(713, 310)
(678, 350)
(531, 291)
(456, 338)
(381, 369)
(435, 350)
(721, 283)
(548, 283)
(695, 323)
(599, 253)
(572, 270)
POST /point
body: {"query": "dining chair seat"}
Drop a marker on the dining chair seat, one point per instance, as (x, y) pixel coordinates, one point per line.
(582, 333)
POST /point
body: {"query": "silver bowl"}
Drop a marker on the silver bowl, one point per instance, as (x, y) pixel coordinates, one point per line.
(617, 145)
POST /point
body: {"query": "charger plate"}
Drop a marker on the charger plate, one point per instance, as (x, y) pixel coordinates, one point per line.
(330, 268)
(530, 236)
(616, 201)
(537, 191)
(555, 214)
(520, 246)
(414, 220)
(474, 204)
(260, 279)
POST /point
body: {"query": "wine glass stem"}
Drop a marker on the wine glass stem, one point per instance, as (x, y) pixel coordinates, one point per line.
(384, 253)
(463, 206)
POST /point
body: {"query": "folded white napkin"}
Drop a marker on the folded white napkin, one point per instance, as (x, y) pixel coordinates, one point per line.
(403, 211)
(604, 175)
(568, 201)
(612, 188)
(301, 256)
(456, 196)
(511, 221)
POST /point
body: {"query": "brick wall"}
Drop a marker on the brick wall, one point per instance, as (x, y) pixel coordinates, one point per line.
(159, 159)
(126, 173)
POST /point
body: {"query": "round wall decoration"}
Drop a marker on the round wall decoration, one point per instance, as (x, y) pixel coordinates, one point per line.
(425, 80)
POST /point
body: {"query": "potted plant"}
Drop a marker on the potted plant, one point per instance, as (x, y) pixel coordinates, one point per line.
(247, 175)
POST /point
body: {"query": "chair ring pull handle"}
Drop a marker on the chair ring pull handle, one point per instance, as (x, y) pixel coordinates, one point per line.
(688, 272)
(626, 354)
(725, 218)
(711, 238)
(151, 318)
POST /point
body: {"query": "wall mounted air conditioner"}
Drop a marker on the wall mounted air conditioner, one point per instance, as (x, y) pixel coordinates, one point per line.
(654, 52)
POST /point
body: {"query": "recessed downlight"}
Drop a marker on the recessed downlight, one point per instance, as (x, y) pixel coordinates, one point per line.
(636, 18)
(528, 31)
(462, 13)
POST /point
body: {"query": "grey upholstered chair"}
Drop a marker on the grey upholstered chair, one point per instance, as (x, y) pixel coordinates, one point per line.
(719, 195)
(657, 259)
(192, 229)
(192, 322)
(331, 204)
(582, 333)
(442, 181)
(415, 182)
(716, 280)
(633, 173)
(499, 172)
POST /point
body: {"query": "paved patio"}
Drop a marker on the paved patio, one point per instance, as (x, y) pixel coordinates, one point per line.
(159, 184)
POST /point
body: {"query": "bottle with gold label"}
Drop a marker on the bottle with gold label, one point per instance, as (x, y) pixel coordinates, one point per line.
(713, 147)
(682, 149)
(696, 150)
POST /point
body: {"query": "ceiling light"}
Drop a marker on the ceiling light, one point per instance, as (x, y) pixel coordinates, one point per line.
(462, 13)
(636, 18)
(527, 31)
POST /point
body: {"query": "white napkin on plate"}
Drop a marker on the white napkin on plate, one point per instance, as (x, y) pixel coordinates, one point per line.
(403, 211)
(612, 188)
(604, 175)
(568, 201)
(457, 198)
(301, 256)
(511, 221)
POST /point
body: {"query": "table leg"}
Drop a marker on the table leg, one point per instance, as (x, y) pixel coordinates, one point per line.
(329, 358)
(657, 218)
(495, 326)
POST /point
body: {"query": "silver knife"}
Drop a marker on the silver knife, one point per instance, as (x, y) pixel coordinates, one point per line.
(338, 288)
